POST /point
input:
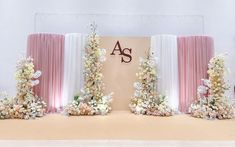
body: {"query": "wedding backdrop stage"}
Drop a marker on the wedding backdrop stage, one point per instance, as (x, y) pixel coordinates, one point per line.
(182, 63)
(181, 60)
(124, 73)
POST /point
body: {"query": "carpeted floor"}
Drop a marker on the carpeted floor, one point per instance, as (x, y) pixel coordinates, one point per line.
(118, 125)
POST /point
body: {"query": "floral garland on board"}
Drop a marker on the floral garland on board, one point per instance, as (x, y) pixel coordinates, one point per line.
(212, 102)
(92, 100)
(146, 99)
(26, 105)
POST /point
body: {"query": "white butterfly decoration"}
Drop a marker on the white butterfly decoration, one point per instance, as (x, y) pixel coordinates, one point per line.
(137, 85)
(102, 58)
(102, 53)
(202, 90)
(206, 82)
(35, 82)
(107, 98)
(37, 74)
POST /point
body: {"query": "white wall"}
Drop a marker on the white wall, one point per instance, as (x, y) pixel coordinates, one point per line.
(120, 25)
(17, 21)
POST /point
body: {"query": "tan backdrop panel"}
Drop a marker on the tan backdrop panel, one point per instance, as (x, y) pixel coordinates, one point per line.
(119, 76)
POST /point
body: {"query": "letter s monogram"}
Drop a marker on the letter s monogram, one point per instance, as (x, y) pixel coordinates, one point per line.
(126, 55)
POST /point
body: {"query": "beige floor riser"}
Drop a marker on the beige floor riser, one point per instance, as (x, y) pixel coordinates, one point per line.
(118, 125)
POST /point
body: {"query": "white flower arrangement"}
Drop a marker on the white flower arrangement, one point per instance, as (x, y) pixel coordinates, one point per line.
(25, 105)
(146, 99)
(92, 100)
(212, 102)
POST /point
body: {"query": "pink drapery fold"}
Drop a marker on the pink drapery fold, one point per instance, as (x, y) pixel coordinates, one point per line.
(47, 50)
(194, 53)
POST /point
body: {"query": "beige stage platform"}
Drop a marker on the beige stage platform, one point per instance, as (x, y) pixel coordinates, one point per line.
(118, 125)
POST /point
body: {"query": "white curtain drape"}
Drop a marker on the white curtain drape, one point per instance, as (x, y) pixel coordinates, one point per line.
(164, 48)
(73, 66)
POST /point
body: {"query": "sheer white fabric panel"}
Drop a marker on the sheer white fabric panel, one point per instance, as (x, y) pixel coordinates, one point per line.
(73, 66)
(164, 48)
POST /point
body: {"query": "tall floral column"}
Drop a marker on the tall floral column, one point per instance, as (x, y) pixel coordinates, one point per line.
(146, 99)
(26, 104)
(92, 100)
(212, 102)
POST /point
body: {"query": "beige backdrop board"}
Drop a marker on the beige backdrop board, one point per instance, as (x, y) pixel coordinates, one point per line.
(119, 76)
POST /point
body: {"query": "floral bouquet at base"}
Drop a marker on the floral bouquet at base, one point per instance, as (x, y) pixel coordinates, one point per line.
(81, 107)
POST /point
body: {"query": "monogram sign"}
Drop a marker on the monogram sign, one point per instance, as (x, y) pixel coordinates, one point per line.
(125, 52)
(121, 66)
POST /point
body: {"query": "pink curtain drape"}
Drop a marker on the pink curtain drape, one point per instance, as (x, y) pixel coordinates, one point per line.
(194, 53)
(47, 50)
